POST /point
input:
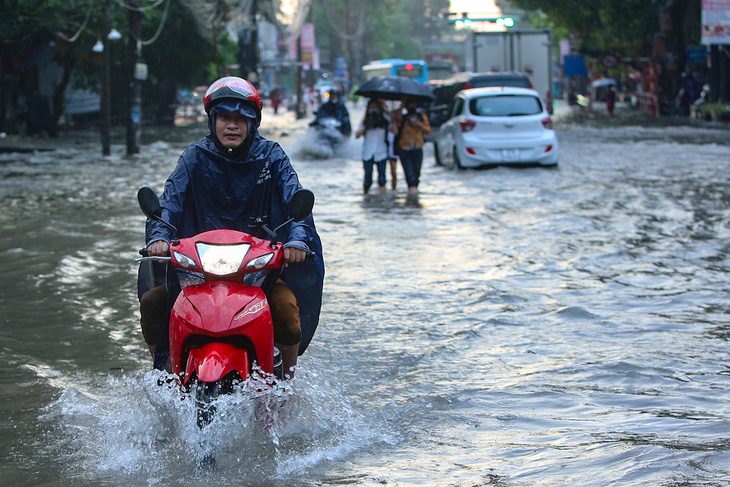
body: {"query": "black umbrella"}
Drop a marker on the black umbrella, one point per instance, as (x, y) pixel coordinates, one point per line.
(394, 88)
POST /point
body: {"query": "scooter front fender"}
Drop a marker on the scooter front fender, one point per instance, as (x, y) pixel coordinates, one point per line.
(213, 361)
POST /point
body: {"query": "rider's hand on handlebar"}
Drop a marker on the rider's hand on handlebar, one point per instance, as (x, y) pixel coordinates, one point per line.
(293, 255)
(158, 248)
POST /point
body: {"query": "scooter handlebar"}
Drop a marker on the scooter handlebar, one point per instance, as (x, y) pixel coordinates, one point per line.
(153, 257)
(146, 256)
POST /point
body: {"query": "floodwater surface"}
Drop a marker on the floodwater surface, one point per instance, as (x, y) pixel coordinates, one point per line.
(512, 327)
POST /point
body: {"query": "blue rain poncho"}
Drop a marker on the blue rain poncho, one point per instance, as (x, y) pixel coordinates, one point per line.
(210, 189)
(338, 111)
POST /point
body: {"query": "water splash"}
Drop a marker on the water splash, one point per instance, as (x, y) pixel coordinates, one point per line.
(142, 429)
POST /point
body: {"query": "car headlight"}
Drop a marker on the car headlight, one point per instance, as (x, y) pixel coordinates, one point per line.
(260, 262)
(221, 259)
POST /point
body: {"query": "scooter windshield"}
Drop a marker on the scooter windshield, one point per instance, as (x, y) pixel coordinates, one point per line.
(189, 278)
(255, 278)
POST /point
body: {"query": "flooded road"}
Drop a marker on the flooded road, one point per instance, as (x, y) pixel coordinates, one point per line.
(512, 327)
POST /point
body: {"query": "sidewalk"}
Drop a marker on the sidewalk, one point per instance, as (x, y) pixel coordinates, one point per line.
(16, 143)
(623, 115)
(283, 124)
(67, 138)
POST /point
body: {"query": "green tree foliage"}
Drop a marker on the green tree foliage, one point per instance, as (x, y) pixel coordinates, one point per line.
(376, 29)
(26, 30)
(183, 55)
(28, 22)
(623, 27)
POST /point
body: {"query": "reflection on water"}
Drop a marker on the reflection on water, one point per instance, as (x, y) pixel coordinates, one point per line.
(511, 327)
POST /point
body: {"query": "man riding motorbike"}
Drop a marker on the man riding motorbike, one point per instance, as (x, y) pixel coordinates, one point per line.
(335, 108)
(236, 179)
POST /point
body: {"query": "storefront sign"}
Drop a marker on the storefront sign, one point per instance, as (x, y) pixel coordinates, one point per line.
(715, 22)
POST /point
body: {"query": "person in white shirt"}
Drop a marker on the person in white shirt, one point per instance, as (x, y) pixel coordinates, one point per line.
(374, 128)
(392, 156)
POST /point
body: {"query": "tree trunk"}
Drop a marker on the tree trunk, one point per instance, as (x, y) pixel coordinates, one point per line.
(59, 94)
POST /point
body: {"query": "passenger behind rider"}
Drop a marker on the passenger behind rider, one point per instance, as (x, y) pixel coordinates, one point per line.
(229, 179)
(334, 107)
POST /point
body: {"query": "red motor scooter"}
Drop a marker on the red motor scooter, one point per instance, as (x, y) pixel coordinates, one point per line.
(220, 327)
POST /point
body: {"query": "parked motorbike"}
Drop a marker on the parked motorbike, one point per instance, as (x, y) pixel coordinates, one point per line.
(220, 326)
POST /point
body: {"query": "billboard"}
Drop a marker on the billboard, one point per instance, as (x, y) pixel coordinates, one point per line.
(307, 43)
(574, 65)
(715, 22)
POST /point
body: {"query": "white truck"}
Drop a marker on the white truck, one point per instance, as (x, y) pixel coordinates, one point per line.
(527, 51)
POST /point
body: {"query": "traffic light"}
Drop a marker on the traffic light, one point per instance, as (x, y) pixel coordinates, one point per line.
(464, 21)
(506, 21)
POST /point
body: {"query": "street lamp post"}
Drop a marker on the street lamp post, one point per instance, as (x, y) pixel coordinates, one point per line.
(135, 89)
(301, 106)
(106, 33)
(105, 106)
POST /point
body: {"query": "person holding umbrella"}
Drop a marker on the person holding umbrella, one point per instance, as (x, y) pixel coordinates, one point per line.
(410, 126)
(375, 147)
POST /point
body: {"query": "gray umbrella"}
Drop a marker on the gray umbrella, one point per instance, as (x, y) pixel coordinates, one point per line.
(394, 88)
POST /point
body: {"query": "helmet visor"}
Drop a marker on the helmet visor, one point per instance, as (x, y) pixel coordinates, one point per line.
(229, 106)
(238, 85)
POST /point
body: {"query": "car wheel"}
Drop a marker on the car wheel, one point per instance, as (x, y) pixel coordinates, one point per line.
(448, 161)
(457, 161)
(436, 154)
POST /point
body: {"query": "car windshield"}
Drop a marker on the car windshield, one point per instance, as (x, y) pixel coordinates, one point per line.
(499, 81)
(505, 106)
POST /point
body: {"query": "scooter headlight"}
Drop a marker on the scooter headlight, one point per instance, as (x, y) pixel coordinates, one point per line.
(184, 260)
(221, 260)
(260, 262)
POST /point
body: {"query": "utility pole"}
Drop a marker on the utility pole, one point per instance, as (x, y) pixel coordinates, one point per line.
(301, 106)
(105, 108)
(135, 90)
(248, 55)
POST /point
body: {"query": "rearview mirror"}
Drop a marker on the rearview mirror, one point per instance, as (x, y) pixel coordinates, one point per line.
(301, 204)
(149, 203)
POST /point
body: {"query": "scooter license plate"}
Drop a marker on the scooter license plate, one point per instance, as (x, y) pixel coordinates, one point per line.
(510, 155)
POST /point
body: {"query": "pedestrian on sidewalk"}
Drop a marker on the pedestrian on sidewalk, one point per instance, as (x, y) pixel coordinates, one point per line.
(374, 129)
(276, 100)
(610, 100)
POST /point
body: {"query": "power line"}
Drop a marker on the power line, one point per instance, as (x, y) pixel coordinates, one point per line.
(83, 26)
(128, 7)
(159, 28)
(138, 9)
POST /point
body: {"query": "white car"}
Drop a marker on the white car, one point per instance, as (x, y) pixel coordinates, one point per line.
(497, 126)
